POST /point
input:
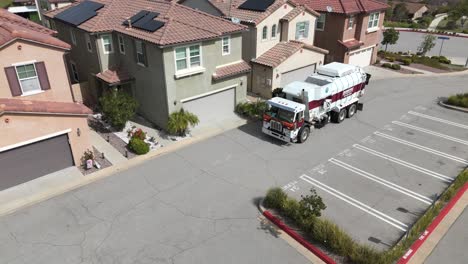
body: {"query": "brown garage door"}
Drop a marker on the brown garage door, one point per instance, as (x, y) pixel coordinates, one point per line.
(29, 162)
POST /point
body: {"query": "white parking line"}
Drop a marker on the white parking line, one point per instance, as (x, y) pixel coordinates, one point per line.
(383, 182)
(404, 163)
(438, 119)
(355, 203)
(430, 132)
(423, 148)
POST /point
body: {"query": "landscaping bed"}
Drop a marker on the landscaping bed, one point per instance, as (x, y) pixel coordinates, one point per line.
(103, 163)
(459, 100)
(401, 70)
(434, 64)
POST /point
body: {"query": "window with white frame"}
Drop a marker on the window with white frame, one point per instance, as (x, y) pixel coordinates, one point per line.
(107, 44)
(188, 57)
(226, 41)
(302, 30)
(88, 43)
(351, 22)
(264, 33)
(121, 44)
(73, 36)
(320, 22)
(140, 52)
(273, 31)
(373, 20)
(74, 72)
(28, 79)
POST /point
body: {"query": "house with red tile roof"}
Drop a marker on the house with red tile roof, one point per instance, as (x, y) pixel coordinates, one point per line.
(174, 57)
(279, 43)
(42, 128)
(350, 29)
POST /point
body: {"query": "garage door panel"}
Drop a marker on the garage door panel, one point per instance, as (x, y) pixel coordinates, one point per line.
(361, 58)
(214, 107)
(34, 160)
(300, 74)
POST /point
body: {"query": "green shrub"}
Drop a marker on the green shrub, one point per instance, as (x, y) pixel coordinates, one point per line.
(396, 67)
(460, 100)
(138, 146)
(406, 61)
(390, 59)
(275, 198)
(179, 122)
(118, 107)
(387, 65)
(465, 31)
(252, 109)
(444, 60)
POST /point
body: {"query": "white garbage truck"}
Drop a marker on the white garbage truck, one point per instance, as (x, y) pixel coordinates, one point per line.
(331, 94)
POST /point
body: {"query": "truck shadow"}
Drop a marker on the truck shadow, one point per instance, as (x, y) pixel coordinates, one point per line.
(254, 129)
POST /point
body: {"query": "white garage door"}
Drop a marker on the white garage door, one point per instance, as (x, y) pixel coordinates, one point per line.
(297, 74)
(214, 107)
(361, 58)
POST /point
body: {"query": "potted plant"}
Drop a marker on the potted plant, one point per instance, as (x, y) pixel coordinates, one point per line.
(87, 159)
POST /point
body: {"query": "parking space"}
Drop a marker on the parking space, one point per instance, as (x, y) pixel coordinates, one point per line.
(377, 188)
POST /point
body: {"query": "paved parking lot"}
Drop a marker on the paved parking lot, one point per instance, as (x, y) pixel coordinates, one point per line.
(377, 188)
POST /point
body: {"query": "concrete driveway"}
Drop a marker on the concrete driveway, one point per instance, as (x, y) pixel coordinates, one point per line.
(197, 205)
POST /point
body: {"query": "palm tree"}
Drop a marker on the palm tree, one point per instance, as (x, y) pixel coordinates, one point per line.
(180, 121)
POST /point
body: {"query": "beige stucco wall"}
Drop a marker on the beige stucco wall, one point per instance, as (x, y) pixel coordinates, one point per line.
(54, 63)
(260, 75)
(22, 128)
(300, 59)
(302, 18)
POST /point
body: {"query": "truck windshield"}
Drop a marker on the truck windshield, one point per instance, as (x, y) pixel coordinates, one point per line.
(281, 114)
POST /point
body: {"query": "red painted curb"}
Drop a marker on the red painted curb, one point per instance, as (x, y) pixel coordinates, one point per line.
(298, 238)
(418, 243)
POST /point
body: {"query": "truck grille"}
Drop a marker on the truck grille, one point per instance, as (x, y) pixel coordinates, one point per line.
(276, 126)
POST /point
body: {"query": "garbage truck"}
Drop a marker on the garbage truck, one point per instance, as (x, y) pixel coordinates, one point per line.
(332, 93)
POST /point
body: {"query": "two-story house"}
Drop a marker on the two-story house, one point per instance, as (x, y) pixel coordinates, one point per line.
(279, 42)
(42, 129)
(166, 55)
(350, 30)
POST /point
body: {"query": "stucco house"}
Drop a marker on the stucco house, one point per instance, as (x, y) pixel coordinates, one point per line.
(166, 55)
(349, 29)
(279, 42)
(415, 10)
(42, 129)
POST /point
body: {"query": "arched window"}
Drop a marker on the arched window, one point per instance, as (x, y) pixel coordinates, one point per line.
(264, 33)
(273, 31)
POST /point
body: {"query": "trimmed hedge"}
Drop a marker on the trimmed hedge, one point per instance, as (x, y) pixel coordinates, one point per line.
(339, 242)
(138, 146)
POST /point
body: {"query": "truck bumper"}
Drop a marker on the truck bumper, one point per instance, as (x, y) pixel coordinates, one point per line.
(276, 135)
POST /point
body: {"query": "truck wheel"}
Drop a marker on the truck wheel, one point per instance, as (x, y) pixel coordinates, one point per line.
(342, 115)
(351, 110)
(303, 134)
(334, 117)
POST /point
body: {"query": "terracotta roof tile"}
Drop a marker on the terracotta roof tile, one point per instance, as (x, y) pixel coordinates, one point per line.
(231, 70)
(282, 51)
(182, 24)
(344, 6)
(294, 13)
(114, 76)
(15, 27)
(45, 107)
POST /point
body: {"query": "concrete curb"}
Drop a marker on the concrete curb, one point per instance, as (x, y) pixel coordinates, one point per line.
(15, 205)
(321, 255)
(456, 108)
(418, 243)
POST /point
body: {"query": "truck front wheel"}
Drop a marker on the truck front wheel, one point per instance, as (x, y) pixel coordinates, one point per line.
(351, 110)
(303, 134)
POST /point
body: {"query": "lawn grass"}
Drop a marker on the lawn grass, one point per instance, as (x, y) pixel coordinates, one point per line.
(5, 3)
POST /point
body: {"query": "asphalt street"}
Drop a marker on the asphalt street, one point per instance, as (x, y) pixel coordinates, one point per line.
(454, 48)
(198, 204)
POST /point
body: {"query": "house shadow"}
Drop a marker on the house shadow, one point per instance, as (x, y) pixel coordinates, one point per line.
(254, 128)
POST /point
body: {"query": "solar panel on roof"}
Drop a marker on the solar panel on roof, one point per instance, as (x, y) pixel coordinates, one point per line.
(80, 13)
(256, 5)
(145, 20)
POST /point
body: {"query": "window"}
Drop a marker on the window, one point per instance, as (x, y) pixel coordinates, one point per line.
(351, 22)
(88, 43)
(226, 45)
(273, 31)
(188, 57)
(320, 24)
(27, 76)
(121, 44)
(373, 20)
(265, 33)
(140, 53)
(72, 36)
(107, 44)
(302, 30)
(74, 72)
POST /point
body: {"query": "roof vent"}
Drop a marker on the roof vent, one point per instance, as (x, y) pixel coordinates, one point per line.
(329, 9)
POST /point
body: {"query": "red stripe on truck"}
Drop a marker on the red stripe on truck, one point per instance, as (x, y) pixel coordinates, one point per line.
(337, 96)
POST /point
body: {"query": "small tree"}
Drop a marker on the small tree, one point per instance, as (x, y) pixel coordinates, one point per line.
(311, 205)
(390, 36)
(427, 44)
(179, 122)
(400, 12)
(118, 107)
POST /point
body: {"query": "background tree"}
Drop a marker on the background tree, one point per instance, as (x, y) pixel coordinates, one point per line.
(427, 44)
(311, 205)
(400, 12)
(390, 36)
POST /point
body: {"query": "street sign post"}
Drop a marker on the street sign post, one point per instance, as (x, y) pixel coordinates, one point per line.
(442, 45)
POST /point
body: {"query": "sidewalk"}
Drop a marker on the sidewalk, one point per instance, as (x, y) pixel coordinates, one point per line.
(103, 146)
